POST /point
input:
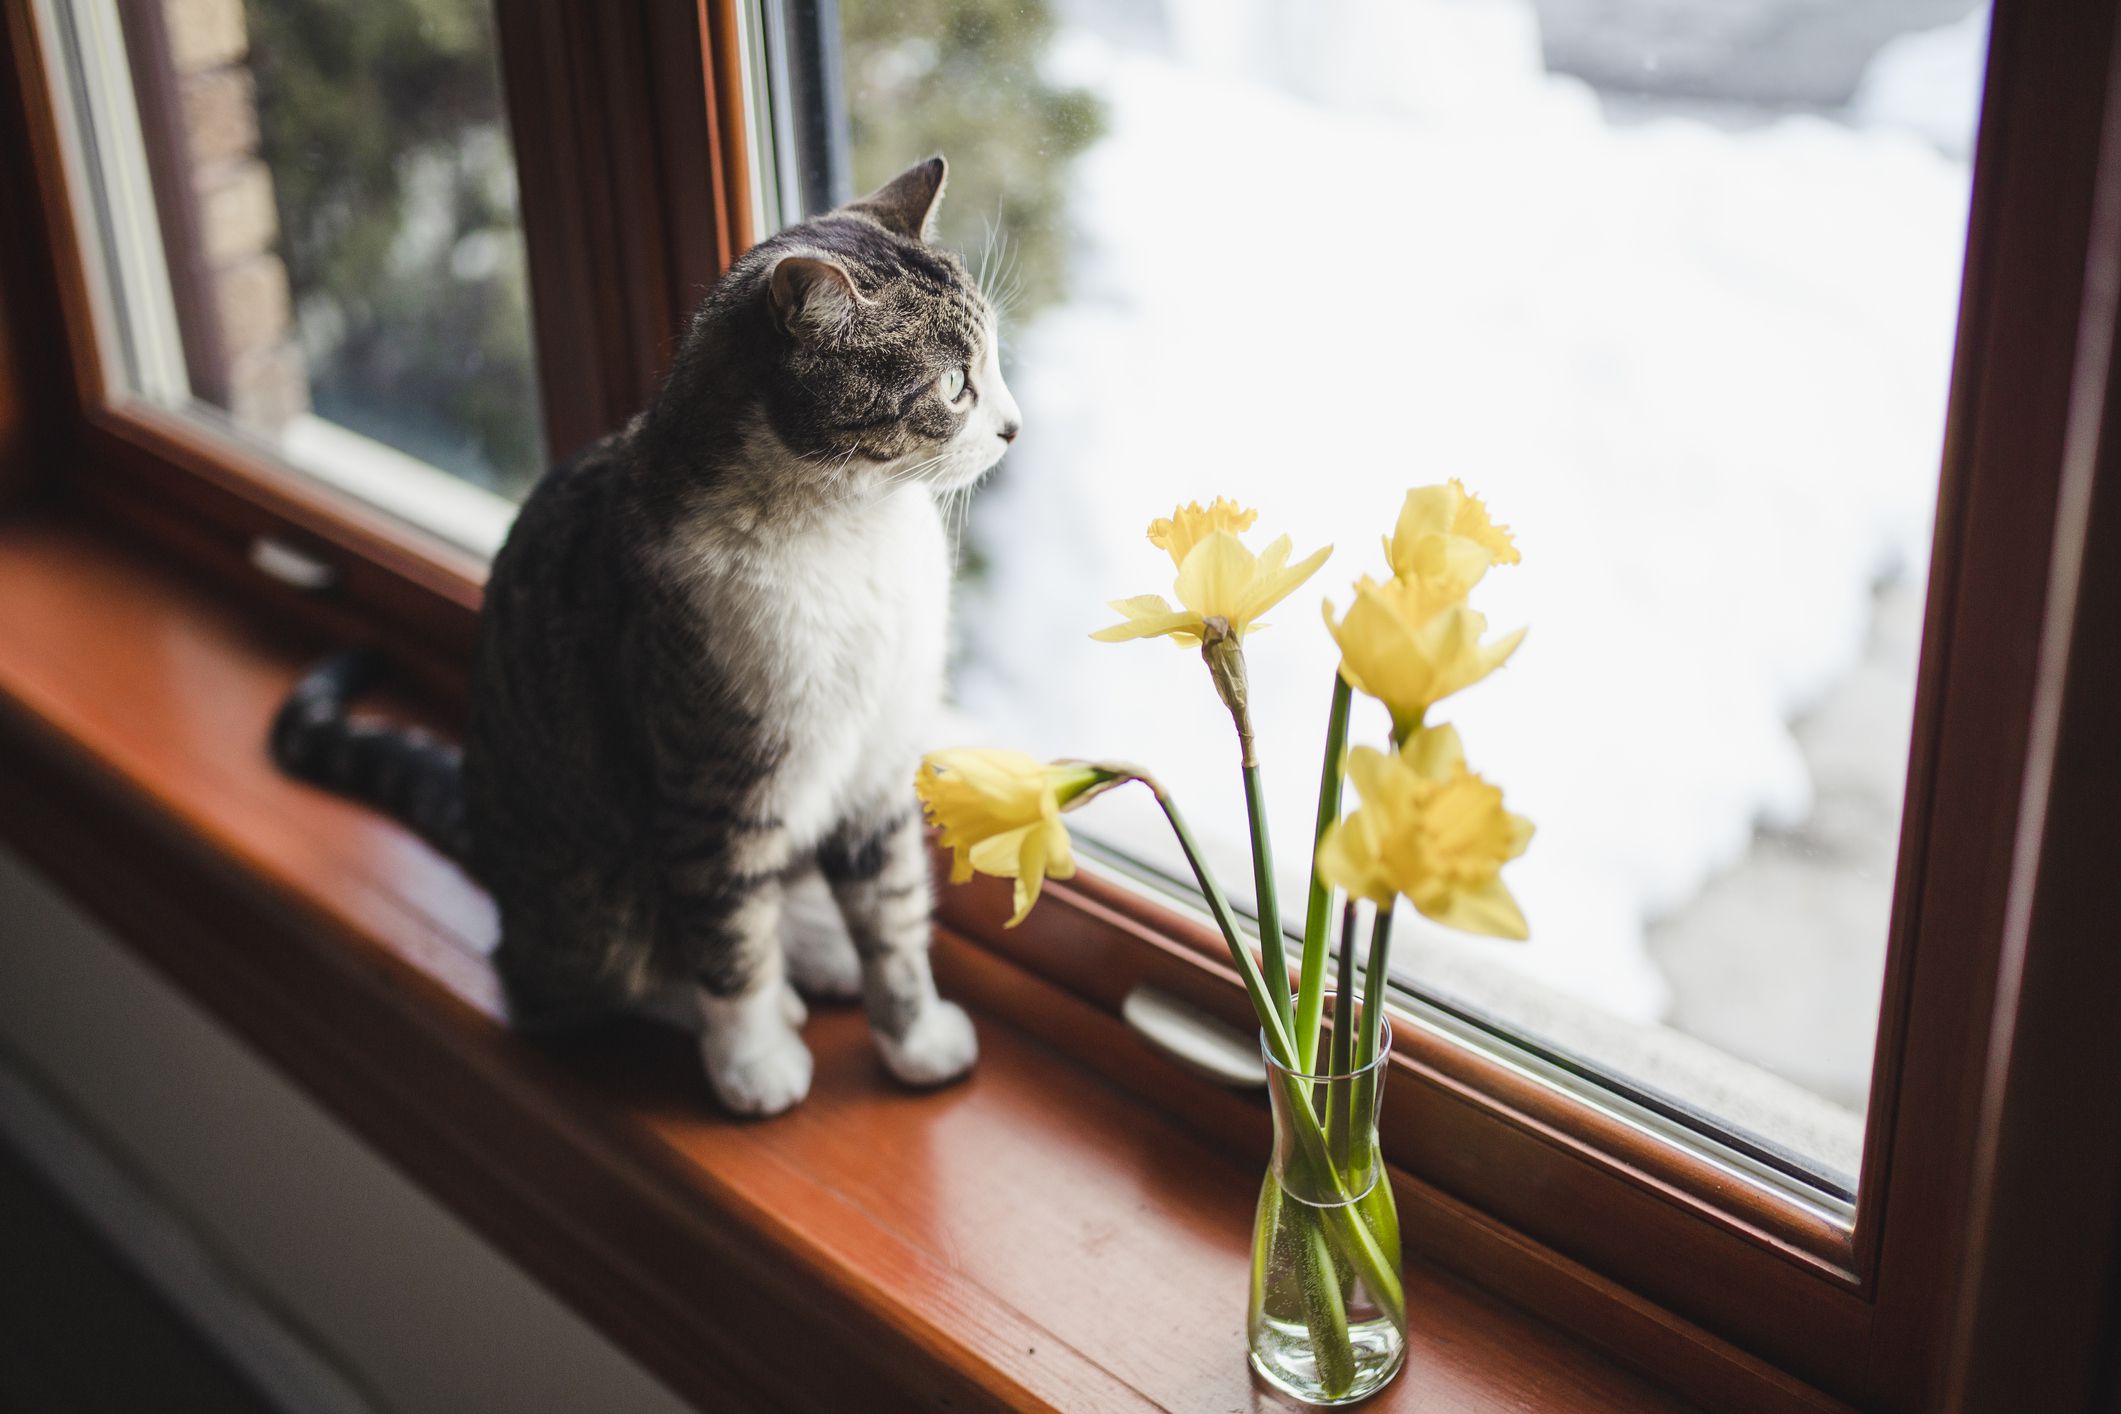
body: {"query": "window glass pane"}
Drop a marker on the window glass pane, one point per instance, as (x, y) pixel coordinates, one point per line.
(312, 238)
(1672, 285)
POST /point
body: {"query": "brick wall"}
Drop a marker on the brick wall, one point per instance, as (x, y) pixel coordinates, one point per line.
(244, 277)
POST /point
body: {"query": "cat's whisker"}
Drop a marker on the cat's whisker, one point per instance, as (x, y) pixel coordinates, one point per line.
(993, 228)
(893, 478)
(1006, 275)
(996, 246)
(959, 513)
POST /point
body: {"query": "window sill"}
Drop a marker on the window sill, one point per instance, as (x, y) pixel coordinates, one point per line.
(1035, 1237)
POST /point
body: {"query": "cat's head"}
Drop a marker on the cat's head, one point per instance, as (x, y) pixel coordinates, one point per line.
(885, 350)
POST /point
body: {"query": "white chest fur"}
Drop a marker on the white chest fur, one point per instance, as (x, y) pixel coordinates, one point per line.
(836, 636)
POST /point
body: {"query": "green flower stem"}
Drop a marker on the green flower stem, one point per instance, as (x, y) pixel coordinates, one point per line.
(1340, 1059)
(1343, 1225)
(1263, 1251)
(1318, 917)
(1342, 1218)
(1274, 957)
(1270, 1016)
(1324, 1311)
(1373, 987)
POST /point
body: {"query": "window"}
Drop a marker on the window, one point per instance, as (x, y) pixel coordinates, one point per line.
(1673, 287)
(1681, 284)
(311, 239)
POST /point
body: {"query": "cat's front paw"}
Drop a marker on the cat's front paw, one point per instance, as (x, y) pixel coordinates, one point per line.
(767, 1073)
(938, 1048)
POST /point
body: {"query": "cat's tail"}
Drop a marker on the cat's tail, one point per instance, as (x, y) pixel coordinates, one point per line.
(404, 772)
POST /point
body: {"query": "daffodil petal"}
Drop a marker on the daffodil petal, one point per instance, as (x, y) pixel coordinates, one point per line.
(1450, 564)
(1380, 653)
(1270, 589)
(999, 855)
(1147, 616)
(1488, 909)
(1212, 581)
(1030, 872)
(1060, 852)
(1435, 752)
(1520, 835)
(994, 771)
(1366, 771)
(1427, 510)
(1500, 650)
(1346, 861)
(1174, 623)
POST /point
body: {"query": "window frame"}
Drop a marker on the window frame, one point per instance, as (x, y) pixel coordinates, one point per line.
(625, 154)
(632, 139)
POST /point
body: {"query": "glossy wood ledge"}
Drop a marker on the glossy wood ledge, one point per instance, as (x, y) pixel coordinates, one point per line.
(1035, 1238)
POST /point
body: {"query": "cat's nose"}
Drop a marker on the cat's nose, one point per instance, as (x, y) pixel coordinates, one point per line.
(1009, 431)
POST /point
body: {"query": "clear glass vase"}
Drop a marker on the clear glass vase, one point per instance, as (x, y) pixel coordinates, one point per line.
(1328, 1319)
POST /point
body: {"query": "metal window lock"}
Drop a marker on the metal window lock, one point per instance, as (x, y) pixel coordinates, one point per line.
(1202, 1043)
(291, 566)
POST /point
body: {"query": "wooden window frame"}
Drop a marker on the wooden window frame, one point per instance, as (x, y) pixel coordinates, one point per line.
(629, 122)
(631, 179)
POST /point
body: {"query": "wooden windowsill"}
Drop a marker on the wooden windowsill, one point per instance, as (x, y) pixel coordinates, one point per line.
(1035, 1237)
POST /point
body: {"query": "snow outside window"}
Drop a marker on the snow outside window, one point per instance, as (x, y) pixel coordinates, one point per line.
(1672, 285)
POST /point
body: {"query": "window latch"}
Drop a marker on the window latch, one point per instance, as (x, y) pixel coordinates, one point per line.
(1201, 1043)
(274, 556)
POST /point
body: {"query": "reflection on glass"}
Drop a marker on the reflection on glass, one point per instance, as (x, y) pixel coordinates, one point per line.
(1674, 286)
(310, 219)
(395, 186)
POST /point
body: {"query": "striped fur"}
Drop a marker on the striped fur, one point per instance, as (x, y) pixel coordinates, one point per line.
(709, 651)
(401, 771)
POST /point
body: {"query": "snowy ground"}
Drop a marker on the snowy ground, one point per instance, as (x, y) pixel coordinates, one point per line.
(1699, 366)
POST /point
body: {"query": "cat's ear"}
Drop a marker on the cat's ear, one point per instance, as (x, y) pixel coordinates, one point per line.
(812, 299)
(906, 204)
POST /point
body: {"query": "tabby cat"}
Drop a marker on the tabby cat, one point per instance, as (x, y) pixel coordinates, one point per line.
(710, 649)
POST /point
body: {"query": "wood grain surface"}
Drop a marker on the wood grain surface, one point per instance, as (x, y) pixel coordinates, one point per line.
(1038, 1237)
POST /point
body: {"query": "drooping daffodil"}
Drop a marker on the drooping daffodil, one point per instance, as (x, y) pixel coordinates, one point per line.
(1445, 541)
(1219, 579)
(1403, 645)
(1429, 829)
(999, 813)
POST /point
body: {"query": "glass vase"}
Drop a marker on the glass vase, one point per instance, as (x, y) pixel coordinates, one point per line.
(1328, 1317)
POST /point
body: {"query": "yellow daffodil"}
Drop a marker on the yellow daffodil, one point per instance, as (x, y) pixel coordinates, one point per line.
(1189, 525)
(999, 812)
(1402, 647)
(1445, 540)
(1432, 830)
(1218, 578)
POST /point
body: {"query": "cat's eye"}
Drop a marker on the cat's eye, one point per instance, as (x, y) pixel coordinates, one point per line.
(951, 385)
